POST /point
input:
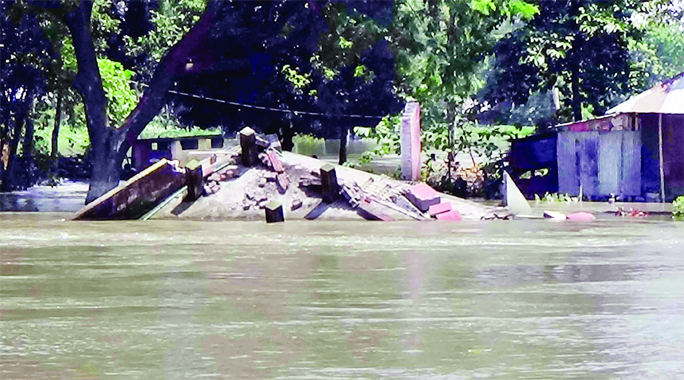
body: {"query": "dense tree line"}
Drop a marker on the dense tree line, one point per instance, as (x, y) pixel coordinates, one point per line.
(110, 65)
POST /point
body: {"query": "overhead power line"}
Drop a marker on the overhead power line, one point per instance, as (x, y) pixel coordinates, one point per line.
(252, 106)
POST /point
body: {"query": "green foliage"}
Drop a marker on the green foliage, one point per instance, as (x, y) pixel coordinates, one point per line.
(103, 25)
(165, 125)
(121, 98)
(667, 42)
(73, 139)
(580, 48)
(172, 20)
(308, 144)
(440, 47)
(678, 207)
(555, 197)
(298, 81)
(385, 134)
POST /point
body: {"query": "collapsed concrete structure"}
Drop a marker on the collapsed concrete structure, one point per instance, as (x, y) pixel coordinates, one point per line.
(251, 180)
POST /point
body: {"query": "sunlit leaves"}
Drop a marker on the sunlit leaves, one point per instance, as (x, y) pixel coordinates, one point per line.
(298, 81)
(121, 99)
(483, 6)
(171, 21)
(520, 8)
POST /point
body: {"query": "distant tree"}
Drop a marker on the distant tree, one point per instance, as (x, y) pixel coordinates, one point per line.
(25, 54)
(331, 64)
(247, 46)
(580, 47)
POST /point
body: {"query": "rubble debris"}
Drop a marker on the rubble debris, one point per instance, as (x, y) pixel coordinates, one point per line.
(401, 201)
(224, 179)
(273, 141)
(453, 216)
(439, 208)
(554, 215)
(309, 181)
(211, 187)
(274, 161)
(634, 213)
(423, 196)
(372, 210)
(283, 182)
(296, 204)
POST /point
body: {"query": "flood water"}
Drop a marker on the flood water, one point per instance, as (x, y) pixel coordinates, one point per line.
(340, 300)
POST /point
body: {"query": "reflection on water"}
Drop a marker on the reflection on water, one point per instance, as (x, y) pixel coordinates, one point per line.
(504, 300)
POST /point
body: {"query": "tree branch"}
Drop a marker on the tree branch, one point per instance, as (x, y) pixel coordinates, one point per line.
(191, 54)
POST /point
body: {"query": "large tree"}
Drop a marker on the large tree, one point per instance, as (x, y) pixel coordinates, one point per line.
(331, 65)
(237, 44)
(25, 58)
(214, 44)
(580, 47)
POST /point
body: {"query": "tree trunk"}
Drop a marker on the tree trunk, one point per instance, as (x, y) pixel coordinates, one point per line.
(54, 152)
(344, 132)
(9, 178)
(89, 83)
(576, 101)
(109, 145)
(29, 132)
(286, 136)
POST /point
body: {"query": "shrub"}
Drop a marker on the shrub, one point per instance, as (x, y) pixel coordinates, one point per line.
(678, 207)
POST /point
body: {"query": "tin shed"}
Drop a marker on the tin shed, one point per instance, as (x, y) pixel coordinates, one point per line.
(635, 151)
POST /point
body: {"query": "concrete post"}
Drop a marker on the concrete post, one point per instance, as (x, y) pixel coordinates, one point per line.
(329, 183)
(410, 142)
(249, 147)
(274, 212)
(194, 180)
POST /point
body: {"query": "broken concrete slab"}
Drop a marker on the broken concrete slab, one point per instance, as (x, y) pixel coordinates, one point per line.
(451, 216)
(513, 197)
(138, 195)
(554, 215)
(439, 208)
(423, 196)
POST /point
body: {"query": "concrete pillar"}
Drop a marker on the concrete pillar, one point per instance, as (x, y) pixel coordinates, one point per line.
(249, 147)
(194, 180)
(410, 142)
(329, 183)
(274, 212)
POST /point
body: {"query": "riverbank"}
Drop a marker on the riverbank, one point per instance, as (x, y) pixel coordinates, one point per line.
(68, 197)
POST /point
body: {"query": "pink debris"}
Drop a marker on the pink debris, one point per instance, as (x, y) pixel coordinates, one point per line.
(453, 216)
(275, 161)
(423, 191)
(582, 216)
(439, 208)
(423, 196)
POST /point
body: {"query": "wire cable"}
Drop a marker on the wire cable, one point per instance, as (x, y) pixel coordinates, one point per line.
(236, 104)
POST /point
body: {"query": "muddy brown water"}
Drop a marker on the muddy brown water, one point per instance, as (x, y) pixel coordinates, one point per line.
(339, 300)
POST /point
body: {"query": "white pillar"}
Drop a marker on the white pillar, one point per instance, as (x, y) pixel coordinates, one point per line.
(410, 142)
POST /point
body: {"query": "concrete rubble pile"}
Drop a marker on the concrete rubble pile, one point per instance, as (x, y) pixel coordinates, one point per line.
(257, 180)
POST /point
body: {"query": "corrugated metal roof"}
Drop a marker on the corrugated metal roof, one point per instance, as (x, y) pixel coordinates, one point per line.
(667, 97)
